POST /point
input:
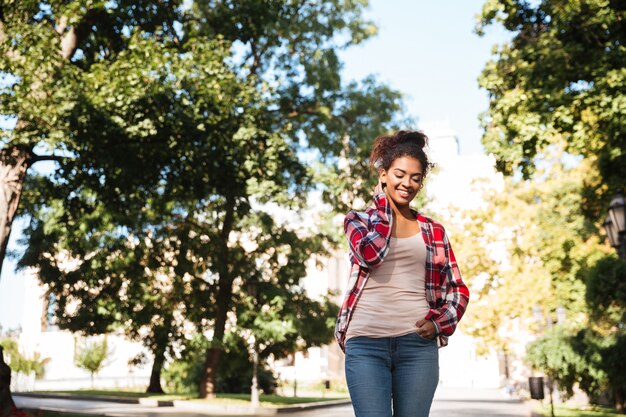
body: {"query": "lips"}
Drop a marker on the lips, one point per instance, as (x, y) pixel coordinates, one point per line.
(404, 194)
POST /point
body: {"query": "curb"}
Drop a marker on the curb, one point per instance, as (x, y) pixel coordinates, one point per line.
(312, 406)
(147, 401)
(261, 411)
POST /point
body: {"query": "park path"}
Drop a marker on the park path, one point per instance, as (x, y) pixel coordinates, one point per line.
(449, 402)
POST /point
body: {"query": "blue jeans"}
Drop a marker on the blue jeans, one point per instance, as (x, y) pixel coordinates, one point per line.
(400, 372)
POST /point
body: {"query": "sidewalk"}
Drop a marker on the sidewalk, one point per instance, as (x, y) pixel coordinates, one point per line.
(477, 402)
(449, 402)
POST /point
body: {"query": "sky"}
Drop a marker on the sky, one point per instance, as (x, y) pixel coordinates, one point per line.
(427, 50)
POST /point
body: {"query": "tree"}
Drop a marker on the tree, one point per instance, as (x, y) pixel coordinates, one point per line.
(101, 203)
(561, 78)
(221, 137)
(48, 54)
(52, 55)
(528, 247)
(91, 355)
(606, 298)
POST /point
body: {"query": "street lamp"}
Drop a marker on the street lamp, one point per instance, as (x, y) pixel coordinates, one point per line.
(615, 224)
(611, 232)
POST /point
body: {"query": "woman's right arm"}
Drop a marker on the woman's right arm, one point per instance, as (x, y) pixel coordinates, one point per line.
(369, 237)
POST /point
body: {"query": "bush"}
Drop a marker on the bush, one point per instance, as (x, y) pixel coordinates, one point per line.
(234, 373)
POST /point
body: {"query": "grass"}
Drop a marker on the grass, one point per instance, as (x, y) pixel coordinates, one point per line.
(584, 411)
(220, 399)
(124, 394)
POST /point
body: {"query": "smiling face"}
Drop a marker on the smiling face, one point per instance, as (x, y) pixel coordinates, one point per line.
(404, 179)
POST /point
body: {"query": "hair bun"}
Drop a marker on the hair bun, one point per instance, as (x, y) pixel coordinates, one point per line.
(412, 136)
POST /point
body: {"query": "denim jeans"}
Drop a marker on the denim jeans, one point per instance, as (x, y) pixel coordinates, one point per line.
(399, 373)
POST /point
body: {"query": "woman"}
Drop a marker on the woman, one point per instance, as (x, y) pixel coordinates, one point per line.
(405, 294)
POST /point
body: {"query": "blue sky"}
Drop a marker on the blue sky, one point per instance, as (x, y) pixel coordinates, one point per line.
(425, 49)
(428, 51)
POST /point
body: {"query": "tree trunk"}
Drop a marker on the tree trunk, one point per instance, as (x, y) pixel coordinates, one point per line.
(254, 389)
(6, 401)
(224, 296)
(14, 161)
(155, 375)
(209, 375)
(618, 397)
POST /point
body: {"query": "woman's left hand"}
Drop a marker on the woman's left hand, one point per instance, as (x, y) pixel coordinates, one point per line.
(426, 329)
(379, 188)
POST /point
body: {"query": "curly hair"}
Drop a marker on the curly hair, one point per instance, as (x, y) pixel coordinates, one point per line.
(388, 148)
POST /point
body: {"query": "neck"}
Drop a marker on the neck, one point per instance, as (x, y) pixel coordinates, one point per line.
(404, 211)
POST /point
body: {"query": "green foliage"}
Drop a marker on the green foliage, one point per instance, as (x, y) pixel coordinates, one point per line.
(529, 246)
(22, 363)
(553, 353)
(183, 374)
(593, 357)
(561, 78)
(584, 411)
(606, 299)
(91, 355)
(182, 130)
(606, 291)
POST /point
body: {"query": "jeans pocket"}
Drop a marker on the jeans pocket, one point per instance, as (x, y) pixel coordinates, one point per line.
(420, 337)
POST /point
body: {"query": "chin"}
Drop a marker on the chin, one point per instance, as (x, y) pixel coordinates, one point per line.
(401, 201)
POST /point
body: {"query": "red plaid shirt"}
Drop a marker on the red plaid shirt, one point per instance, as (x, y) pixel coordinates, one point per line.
(368, 234)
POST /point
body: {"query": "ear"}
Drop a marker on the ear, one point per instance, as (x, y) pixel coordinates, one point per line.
(382, 176)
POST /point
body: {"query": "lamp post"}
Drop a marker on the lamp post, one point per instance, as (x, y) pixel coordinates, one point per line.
(253, 290)
(536, 383)
(615, 224)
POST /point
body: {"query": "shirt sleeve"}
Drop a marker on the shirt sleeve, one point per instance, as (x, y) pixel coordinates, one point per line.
(369, 237)
(456, 298)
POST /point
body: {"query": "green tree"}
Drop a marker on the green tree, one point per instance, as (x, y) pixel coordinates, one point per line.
(527, 247)
(191, 115)
(54, 58)
(606, 298)
(22, 363)
(91, 355)
(52, 55)
(100, 202)
(553, 353)
(201, 139)
(561, 78)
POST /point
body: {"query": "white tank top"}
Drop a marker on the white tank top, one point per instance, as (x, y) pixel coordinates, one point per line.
(394, 297)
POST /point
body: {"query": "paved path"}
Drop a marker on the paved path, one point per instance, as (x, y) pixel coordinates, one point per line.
(449, 402)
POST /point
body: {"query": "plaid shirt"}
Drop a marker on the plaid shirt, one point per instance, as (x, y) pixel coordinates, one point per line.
(368, 234)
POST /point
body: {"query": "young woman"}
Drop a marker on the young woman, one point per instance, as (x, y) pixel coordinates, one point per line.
(405, 295)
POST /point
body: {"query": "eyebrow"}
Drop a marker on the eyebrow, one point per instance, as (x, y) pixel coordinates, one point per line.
(404, 172)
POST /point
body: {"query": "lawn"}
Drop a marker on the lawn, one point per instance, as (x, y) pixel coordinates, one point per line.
(125, 394)
(585, 411)
(224, 399)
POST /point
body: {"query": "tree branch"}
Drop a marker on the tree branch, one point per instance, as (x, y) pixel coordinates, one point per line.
(38, 158)
(77, 33)
(61, 26)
